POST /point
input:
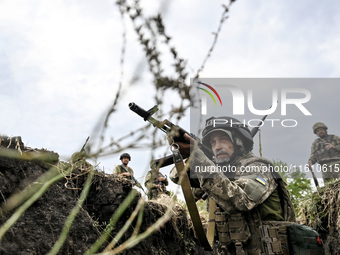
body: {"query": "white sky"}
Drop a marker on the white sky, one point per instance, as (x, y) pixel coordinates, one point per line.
(59, 63)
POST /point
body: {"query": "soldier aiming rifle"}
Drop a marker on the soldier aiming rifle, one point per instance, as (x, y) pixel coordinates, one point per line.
(253, 208)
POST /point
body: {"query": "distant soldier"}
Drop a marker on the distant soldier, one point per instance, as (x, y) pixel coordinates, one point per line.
(326, 152)
(156, 184)
(124, 170)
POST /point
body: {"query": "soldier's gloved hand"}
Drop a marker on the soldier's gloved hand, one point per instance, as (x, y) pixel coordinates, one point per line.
(185, 148)
(125, 174)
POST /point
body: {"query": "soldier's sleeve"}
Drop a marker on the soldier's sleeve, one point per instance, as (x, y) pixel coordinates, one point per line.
(242, 194)
(131, 171)
(117, 170)
(174, 175)
(337, 143)
(312, 157)
(198, 193)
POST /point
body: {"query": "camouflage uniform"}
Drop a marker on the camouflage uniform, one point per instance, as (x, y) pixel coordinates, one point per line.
(151, 180)
(248, 198)
(119, 170)
(329, 160)
(243, 192)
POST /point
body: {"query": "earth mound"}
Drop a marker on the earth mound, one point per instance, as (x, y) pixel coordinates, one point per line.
(24, 171)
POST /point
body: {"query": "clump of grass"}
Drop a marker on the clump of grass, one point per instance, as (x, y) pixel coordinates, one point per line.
(321, 209)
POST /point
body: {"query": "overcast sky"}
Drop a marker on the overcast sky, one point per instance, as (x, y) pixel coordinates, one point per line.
(59, 66)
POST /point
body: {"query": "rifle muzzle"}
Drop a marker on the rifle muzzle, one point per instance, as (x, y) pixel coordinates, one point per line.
(141, 112)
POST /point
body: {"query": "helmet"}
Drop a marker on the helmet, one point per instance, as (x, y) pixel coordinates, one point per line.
(319, 125)
(125, 155)
(230, 126)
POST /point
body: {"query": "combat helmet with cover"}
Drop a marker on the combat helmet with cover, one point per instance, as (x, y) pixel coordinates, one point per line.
(125, 155)
(319, 125)
(233, 127)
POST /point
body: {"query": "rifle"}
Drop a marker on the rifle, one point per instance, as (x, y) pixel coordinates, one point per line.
(316, 182)
(170, 128)
(132, 177)
(178, 136)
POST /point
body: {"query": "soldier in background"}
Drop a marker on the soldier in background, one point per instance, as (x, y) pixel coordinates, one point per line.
(248, 195)
(124, 170)
(326, 152)
(156, 184)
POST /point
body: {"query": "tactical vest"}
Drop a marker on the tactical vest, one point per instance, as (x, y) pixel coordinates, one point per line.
(245, 233)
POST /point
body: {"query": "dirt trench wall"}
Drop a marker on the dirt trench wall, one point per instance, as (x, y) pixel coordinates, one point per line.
(40, 226)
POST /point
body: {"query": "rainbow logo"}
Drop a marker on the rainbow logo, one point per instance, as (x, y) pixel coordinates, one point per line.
(209, 93)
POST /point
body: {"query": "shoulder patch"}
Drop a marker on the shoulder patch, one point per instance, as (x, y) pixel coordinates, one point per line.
(260, 180)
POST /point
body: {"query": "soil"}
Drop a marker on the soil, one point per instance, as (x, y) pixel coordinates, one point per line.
(36, 231)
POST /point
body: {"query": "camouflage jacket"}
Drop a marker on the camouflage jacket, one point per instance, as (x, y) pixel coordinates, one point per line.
(319, 153)
(118, 170)
(252, 196)
(252, 184)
